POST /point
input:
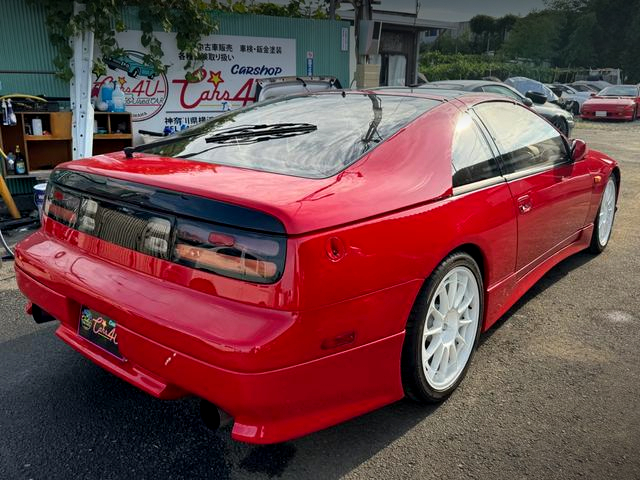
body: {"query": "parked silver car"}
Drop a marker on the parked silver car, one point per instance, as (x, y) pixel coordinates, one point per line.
(559, 117)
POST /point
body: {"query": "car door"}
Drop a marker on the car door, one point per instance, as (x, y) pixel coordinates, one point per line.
(551, 193)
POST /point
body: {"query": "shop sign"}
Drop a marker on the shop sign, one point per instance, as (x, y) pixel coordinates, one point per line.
(225, 82)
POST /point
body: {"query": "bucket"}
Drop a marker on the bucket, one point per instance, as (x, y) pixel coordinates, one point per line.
(38, 196)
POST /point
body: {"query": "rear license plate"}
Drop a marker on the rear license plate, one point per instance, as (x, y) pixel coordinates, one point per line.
(601, 114)
(99, 330)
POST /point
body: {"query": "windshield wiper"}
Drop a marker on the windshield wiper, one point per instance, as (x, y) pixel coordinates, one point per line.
(274, 130)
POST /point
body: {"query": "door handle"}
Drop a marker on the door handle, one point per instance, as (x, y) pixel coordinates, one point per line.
(524, 204)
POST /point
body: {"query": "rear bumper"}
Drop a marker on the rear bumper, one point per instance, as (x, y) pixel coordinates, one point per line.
(268, 406)
(610, 116)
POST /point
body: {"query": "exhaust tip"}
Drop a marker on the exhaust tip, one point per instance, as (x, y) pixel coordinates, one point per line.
(212, 416)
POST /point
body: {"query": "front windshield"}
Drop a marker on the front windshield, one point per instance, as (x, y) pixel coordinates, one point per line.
(312, 136)
(619, 91)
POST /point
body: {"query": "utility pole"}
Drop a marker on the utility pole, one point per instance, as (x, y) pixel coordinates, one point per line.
(332, 9)
(367, 74)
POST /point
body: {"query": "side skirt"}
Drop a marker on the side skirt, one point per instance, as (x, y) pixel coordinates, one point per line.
(502, 296)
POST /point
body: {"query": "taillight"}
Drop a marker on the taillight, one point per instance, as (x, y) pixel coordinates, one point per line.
(255, 257)
(62, 206)
(227, 251)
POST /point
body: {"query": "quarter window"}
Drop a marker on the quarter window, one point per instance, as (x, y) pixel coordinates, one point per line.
(472, 160)
(525, 140)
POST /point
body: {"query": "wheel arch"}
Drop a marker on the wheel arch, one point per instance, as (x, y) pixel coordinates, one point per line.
(475, 252)
(616, 175)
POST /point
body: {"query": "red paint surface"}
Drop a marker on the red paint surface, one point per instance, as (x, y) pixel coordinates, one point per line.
(617, 108)
(260, 351)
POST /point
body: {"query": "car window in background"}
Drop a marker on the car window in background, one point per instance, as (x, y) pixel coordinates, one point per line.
(583, 88)
(312, 136)
(472, 159)
(502, 91)
(619, 91)
(525, 140)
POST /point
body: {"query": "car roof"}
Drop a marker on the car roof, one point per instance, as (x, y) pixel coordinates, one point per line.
(435, 92)
(461, 83)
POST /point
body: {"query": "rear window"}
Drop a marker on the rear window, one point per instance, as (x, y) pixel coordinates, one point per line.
(312, 136)
(619, 91)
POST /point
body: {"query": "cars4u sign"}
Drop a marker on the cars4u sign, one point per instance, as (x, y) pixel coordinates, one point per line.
(225, 82)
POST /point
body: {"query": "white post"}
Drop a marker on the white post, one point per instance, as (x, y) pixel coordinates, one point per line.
(80, 92)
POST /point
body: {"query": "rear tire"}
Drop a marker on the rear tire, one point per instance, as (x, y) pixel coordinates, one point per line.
(603, 223)
(443, 330)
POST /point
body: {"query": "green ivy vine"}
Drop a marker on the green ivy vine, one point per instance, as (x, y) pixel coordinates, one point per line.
(190, 19)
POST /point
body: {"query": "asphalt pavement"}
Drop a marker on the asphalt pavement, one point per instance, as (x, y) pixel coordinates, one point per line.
(553, 392)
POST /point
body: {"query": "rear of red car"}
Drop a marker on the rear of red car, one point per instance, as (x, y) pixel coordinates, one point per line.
(189, 277)
(618, 102)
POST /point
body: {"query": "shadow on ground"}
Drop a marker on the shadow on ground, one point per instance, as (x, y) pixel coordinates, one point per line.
(63, 417)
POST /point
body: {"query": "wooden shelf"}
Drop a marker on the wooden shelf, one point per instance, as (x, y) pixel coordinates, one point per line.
(45, 138)
(112, 136)
(43, 152)
(35, 174)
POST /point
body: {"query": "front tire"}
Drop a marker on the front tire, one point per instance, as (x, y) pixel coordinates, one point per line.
(562, 125)
(443, 330)
(603, 223)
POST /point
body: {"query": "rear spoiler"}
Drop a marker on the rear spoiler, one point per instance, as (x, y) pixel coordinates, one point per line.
(279, 86)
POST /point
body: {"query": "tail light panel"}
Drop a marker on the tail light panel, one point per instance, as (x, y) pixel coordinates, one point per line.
(254, 257)
(223, 250)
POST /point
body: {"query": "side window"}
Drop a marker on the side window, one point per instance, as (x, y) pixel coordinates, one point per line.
(501, 91)
(525, 140)
(472, 159)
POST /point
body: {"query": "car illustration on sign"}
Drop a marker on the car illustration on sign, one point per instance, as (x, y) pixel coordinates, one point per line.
(313, 257)
(132, 63)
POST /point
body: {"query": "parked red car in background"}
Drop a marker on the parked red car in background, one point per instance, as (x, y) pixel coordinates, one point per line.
(309, 259)
(618, 102)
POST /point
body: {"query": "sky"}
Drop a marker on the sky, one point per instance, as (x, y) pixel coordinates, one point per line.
(462, 10)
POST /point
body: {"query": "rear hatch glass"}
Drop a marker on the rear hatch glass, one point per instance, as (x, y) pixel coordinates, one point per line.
(312, 136)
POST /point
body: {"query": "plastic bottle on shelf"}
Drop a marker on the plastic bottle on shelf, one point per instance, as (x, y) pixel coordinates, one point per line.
(106, 92)
(21, 166)
(117, 98)
(36, 126)
(11, 163)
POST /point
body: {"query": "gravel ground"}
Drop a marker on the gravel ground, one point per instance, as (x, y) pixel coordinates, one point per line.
(554, 392)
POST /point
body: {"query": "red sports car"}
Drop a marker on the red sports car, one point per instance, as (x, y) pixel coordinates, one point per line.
(618, 102)
(311, 258)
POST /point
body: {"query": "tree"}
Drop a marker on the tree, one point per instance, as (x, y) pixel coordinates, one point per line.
(580, 48)
(484, 28)
(535, 36)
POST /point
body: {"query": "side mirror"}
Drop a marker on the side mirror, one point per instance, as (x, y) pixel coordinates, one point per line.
(578, 149)
(537, 97)
(527, 101)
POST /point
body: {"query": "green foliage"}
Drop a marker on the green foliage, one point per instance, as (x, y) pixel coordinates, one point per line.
(535, 36)
(438, 66)
(190, 19)
(316, 9)
(569, 33)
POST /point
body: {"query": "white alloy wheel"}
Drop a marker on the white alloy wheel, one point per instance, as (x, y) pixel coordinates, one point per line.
(607, 212)
(450, 328)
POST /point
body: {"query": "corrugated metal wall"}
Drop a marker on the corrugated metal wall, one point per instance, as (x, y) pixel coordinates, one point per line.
(25, 48)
